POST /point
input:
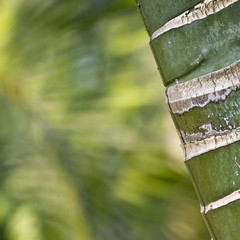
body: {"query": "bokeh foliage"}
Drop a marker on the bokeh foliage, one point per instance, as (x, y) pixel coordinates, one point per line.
(88, 150)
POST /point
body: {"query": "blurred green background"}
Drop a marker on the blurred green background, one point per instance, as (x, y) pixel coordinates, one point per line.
(87, 148)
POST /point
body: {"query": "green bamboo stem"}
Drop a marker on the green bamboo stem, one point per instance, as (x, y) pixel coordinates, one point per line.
(197, 53)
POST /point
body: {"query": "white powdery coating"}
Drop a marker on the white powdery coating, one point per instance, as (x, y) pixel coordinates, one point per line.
(199, 92)
(221, 202)
(202, 208)
(208, 132)
(202, 10)
(194, 149)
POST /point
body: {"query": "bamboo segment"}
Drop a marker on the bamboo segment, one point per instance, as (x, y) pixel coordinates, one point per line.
(190, 51)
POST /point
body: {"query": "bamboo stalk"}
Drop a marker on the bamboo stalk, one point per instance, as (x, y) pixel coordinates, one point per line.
(197, 50)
